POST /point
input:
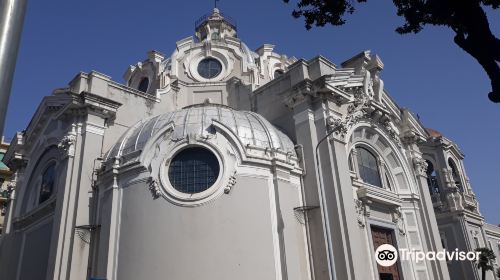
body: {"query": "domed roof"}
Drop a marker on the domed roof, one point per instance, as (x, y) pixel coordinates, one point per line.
(434, 133)
(251, 128)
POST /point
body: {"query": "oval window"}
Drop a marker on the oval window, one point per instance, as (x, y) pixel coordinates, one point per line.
(193, 170)
(209, 68)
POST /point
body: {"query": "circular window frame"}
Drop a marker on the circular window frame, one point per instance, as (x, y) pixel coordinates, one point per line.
(209, 58)
(192, 63)
(192, 199)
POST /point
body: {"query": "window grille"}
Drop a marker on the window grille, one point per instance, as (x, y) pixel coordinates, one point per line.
(193, 170)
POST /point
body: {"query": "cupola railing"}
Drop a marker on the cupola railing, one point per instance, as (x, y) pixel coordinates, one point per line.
(230, 21)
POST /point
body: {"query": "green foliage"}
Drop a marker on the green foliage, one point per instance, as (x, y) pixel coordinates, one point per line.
(486, 258)
(465, 17)
(417, 13)
(320, 13)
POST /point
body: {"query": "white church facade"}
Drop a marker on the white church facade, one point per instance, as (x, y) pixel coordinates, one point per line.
(223, 163)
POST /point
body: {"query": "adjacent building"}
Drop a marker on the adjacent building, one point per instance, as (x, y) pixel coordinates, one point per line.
(6, 184)
(219, 162)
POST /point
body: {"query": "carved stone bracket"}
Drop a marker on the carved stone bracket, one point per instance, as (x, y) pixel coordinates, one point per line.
(362, 109)
(154, 188)
(299, 94)
(420, 166)
(362, 211)
(449, 180)
(356, 111)
(397, 218)
(389, 128)
(411, 137)
(453, 196)
(470, 201)
(67, 145)
(230, 184)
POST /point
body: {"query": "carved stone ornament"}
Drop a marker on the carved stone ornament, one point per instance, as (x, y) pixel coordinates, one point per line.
(300, 93)
(359, 110)
(154, 188)
(356, 111)
(389, 128)
(420, 166)
(230, 184)
(397, 218)
(411, 137)
(361, 212)
(449, 181)
(67, 144)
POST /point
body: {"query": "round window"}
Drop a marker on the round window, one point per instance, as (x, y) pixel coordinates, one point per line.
(193, 170)
(209, 68)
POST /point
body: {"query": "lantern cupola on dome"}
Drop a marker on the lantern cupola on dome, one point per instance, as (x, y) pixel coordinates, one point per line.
(215, 27)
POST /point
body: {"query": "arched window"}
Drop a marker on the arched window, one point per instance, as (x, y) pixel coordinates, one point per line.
(432, 180)
(368, 167)
(455, 174)
(350, 162)
(278, 73)
(47, 184)
(388, 181)
(143, 85)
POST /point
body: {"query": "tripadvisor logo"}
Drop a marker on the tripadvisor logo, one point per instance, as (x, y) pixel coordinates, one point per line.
(387, 255)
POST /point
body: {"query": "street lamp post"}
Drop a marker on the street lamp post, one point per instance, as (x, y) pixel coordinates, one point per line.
(11, 24)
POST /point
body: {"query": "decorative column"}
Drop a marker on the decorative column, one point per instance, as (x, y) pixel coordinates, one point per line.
(306, 134)
(453, 196)
(68, 146)
(438, 269)
(343, 215)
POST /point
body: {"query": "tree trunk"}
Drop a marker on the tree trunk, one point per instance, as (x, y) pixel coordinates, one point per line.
(483, 272)
(476, 38)
(476, 48)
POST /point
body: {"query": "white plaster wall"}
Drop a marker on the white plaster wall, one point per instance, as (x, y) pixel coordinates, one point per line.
(229, 238)
(35, 252)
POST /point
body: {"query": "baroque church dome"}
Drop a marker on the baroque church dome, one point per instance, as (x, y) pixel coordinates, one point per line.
(252, 129)
(433, 133)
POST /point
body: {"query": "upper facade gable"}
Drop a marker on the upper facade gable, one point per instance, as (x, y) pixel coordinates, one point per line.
(204, 67)
(52, 120)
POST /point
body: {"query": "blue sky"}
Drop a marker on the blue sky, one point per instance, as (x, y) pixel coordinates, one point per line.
(425, 72)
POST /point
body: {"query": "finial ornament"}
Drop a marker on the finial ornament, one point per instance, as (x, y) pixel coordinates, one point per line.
(215, 3)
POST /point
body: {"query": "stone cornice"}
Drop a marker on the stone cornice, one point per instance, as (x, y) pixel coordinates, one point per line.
(62, 104)
(492, 230)
(35, 215)
(445, 144)
(14, 157)
(379, 195)
(107, 106)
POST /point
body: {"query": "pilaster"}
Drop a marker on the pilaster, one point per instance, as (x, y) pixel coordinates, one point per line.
(438, 269)
(305, 128)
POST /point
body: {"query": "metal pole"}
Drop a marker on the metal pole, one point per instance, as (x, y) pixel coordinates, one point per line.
(11, 25)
